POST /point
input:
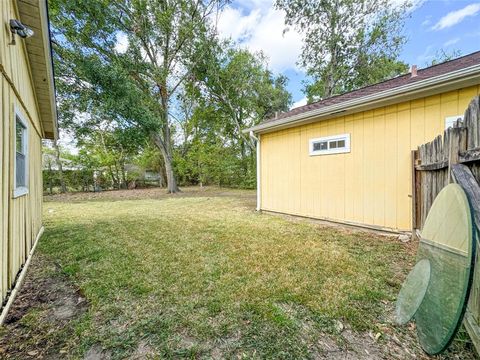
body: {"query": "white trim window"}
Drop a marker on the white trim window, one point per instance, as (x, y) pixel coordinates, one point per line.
(450, 120)
(20, 168)
(336, 144)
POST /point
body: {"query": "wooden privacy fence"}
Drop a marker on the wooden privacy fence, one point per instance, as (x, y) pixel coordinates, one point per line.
(453, 156)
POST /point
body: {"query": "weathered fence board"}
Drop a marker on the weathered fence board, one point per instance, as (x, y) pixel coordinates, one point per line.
(463, 175)
(453, 157)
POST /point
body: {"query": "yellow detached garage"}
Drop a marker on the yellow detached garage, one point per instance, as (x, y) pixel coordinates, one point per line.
(348, 158)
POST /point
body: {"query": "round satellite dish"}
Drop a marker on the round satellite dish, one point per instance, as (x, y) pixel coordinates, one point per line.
(413, 291)
(447, 242)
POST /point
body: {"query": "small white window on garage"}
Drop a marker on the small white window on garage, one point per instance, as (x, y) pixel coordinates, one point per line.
(336, 144)
(449, 120)
(21, 156)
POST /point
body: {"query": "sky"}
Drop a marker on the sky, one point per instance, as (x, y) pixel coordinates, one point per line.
(432, 25)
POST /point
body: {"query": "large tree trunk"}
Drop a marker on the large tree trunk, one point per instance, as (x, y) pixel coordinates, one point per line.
(172, 186)
(171, 181)
(124, 175)
(50, 175)
(164, 143)
(113, 178)
(63, 187)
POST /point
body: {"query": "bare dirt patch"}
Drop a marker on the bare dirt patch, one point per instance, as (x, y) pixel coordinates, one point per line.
(144, 351)
(97, 353)
(46, 304)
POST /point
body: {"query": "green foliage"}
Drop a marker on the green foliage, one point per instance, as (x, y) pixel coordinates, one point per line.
(101, 161)
(347, 43)
(150, 158)
(214, 164)
(240, 87)
(232, 90)
(174, 92)
(75, 180)
(134, 86)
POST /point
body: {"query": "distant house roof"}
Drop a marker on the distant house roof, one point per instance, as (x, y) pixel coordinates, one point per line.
(447, 74)
(49, 162)
(34, 14)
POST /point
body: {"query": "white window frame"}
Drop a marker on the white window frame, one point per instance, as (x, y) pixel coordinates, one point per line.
(21, 190)
(346, 149)
(449, 120)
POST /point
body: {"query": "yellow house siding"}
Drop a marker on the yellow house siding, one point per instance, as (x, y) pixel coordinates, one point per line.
(371, 185)
(4, 193)
(20, 219)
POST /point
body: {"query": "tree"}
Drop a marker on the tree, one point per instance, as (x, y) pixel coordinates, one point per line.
(442, 56)
(57, 164)
(58, 161)
(110, 147)
(347, 43)
(241, 88)
(232, 89)
(47, 161)
(150, 159)
(161, 45)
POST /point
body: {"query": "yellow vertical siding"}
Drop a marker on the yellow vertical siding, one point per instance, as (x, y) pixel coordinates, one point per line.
(371, 185)
(349, 181)
(20, 218)
(4, 194)
(391, 166)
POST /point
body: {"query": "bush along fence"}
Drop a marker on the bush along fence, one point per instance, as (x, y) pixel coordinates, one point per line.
(453, 157)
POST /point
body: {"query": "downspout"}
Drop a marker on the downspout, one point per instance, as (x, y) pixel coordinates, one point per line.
(257, 143)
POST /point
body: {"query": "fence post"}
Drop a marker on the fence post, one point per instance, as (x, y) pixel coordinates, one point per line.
(458, 143)
(416, 188)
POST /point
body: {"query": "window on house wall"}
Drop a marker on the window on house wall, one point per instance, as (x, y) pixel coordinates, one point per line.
(330, 145)
(450, 120)
(21, 156)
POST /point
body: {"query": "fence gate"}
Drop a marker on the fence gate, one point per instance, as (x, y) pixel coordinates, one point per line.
(453, 157)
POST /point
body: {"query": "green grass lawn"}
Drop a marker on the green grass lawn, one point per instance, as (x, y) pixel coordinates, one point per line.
(204, 275)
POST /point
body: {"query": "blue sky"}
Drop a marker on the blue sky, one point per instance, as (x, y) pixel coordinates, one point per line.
(433, 25)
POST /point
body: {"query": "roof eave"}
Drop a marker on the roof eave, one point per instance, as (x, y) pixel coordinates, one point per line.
(42, 72)
(450, 81)
(50, 69)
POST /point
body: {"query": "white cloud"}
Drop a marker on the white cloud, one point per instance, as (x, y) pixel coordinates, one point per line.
(457, 16)
(451, 42)
(68, 141)
(427, 21)
(232, 23)
(300, 102)
(122, 43)
(257, 25)
(262, 29)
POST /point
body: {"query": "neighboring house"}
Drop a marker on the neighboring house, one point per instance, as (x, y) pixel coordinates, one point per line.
(143, 176)
(49, 163)
(28, 114)
(348, 158)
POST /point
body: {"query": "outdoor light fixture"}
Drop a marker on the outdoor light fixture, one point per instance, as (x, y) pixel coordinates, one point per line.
(16, 27)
